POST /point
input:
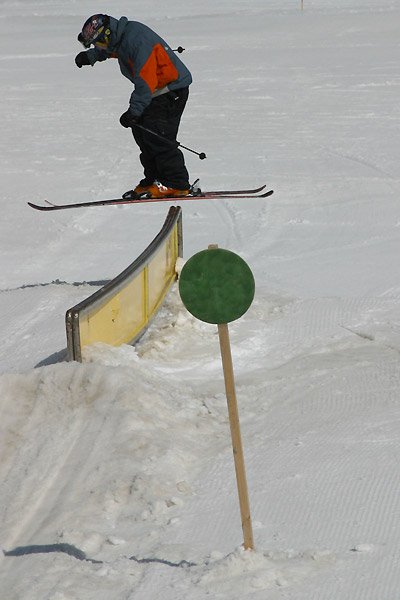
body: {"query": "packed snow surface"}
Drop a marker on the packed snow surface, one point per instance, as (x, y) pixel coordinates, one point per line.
(116, 475)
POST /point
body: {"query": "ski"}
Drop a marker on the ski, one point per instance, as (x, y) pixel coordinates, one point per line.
(228, 192)
(117, 201)
(236, 192)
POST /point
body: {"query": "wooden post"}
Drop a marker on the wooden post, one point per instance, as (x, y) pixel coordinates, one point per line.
(234, 423)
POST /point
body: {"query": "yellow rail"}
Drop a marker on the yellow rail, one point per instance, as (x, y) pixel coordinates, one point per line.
(121, 311)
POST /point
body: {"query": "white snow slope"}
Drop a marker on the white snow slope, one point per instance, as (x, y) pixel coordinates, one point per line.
(116, 475)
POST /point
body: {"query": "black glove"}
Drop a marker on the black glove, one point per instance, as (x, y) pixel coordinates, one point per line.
(82, 59)
(128, 119)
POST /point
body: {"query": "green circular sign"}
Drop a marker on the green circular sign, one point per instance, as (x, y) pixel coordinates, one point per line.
(216, 286)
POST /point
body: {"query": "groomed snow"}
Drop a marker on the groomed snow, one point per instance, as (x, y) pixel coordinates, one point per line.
(116, 475)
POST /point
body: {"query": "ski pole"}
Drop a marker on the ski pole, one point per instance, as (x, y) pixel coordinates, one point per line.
(179, 49)
(201, 155)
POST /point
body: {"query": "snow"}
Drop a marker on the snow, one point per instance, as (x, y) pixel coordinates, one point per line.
(116, 475)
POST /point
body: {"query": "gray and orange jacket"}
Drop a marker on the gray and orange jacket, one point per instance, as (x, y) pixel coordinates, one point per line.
(145, 59)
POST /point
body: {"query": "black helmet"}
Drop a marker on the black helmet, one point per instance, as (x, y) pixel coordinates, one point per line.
(95, 30)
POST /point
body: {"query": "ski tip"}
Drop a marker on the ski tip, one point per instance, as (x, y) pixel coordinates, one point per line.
(40, 207)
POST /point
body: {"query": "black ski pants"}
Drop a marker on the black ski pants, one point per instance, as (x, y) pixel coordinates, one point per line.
(162, 160)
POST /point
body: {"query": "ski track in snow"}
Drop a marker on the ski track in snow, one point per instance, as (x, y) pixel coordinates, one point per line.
(31, 56)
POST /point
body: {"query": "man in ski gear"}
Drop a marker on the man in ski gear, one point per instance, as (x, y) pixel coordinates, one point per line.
(161, 88)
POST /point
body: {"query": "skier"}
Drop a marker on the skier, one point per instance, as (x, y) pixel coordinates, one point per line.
(157, 102)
